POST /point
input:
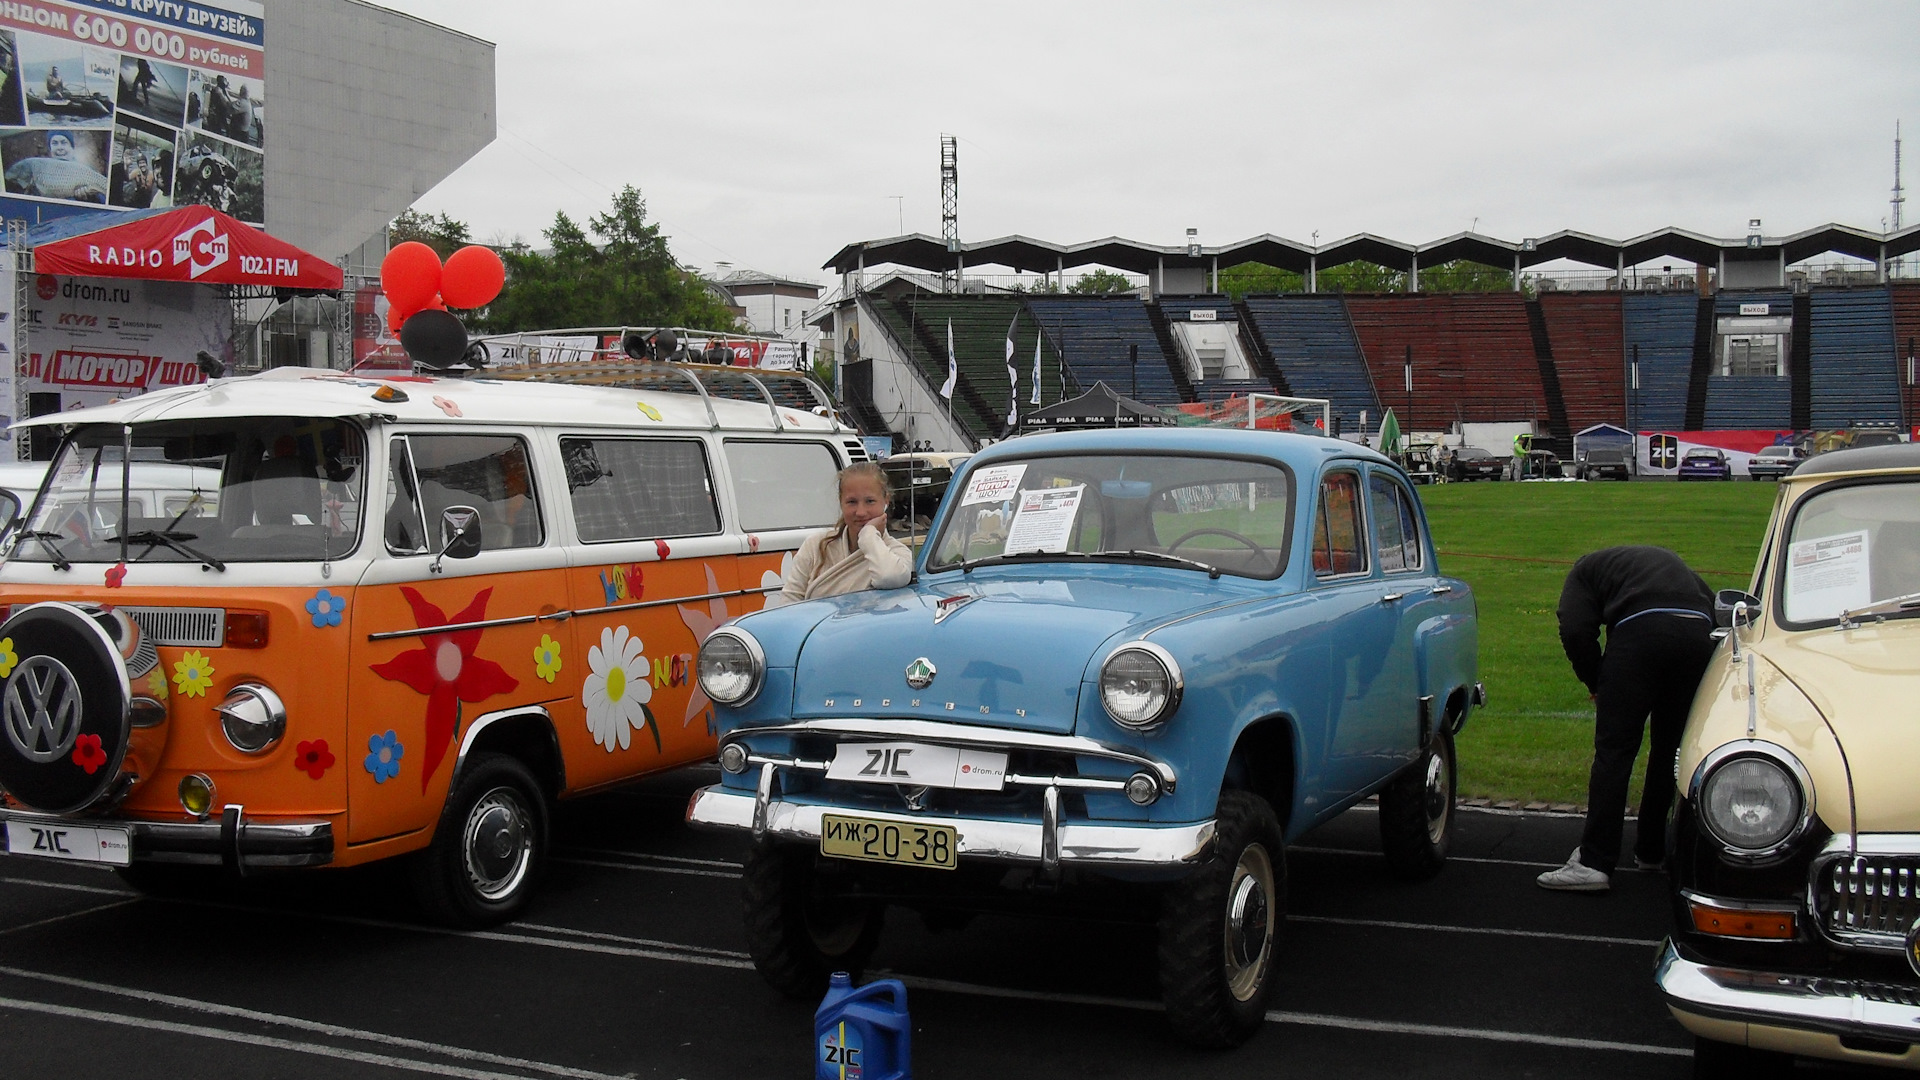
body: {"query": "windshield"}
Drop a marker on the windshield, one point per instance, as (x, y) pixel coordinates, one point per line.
(1226, 514)
(242, 489)
(1850, 547)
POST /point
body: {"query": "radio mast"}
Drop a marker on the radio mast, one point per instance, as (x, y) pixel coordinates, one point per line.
(950, 211)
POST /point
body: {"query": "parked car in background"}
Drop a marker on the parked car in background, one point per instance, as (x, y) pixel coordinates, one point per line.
(1604, 463)
(1133, 667)
(1775, 462)
(919, 482)
(1473, 463)
(1705, 463)
(1796, 842)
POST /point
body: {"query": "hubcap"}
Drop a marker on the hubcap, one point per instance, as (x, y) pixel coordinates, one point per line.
(499, 844)
(1249, 924)
(1439, 797)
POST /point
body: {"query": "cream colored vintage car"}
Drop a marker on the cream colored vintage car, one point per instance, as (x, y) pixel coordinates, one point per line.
(1796, 848)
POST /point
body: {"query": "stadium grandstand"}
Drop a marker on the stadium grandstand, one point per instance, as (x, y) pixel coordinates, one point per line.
(1750, 334)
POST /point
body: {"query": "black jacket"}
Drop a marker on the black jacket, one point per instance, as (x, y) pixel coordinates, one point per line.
(1612, 584)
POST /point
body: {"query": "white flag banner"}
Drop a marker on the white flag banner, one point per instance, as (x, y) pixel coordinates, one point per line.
(1013, 376)
(953, 367)
(1035, 399)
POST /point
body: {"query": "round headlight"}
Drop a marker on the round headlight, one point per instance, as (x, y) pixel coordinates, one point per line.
(1140, 684)
(1751, 803)
(253, 717)
(730, 666)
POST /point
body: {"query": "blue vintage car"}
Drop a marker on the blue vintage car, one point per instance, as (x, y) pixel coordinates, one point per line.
(1133, 665)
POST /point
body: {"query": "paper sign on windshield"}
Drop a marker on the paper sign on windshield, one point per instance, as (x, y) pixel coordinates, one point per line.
(1044, 519)
(994, 484)
(1827, 576)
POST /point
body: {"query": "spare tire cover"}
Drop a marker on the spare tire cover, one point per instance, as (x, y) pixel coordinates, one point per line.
(64, 718)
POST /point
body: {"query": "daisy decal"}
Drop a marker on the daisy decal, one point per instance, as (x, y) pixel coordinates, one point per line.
(193, 674)
(546, 658)
(315, 759)
(617, 689)
(88, 754)
(383, 756)
(8, 658)
(445, 669)
(157, 684)
(326, 608)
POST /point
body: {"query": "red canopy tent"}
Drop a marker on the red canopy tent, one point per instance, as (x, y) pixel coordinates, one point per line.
(192, 243)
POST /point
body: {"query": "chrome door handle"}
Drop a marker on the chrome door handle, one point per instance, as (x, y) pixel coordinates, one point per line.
(1440, 589)
(1391, 597)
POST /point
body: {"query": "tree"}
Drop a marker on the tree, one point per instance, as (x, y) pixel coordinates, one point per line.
(1463, 276)
(439, 232)
(1361, 277)
(628, 277)
(1101, 282)
(1238, 281)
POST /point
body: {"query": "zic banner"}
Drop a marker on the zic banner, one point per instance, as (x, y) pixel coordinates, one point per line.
(132, 104)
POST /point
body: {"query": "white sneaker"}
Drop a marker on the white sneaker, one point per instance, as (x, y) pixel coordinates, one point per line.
(1574, 878)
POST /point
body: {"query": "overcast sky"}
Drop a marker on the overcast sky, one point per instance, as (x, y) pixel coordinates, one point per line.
(770, 134)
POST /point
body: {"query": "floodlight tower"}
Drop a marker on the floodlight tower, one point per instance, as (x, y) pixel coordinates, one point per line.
(1899, 192)
(950, 211)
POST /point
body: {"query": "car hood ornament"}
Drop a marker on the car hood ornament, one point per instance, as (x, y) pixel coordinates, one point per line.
(947, 605)
(920, 673)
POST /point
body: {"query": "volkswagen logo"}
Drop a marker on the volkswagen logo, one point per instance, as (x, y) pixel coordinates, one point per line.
(41, 706)
(920, 673)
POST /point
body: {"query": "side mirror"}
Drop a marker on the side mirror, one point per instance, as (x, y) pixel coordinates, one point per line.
(1725, 603)
(459, 535)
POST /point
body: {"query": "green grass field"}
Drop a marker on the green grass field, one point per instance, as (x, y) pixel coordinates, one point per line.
(1514, 544)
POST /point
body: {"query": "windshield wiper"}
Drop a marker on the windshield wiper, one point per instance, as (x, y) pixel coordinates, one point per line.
(157, 537)
(1021, 556)
(1851, 619)
(47, 541)
(1212, 571)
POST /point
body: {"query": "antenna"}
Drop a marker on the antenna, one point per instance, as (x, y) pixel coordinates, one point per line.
(1899, 194)
(950, 209)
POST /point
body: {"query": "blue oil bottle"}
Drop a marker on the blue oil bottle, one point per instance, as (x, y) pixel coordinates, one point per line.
(862, 1032)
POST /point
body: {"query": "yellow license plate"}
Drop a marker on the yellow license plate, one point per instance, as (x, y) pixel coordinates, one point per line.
(889, 841)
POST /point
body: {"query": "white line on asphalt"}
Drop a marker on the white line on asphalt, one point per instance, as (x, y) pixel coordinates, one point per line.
(70, 915)
(564, 931)
(295, 1022)
(1549, 935)
(606, 864)
(66, 886)
(647, 856)
(146, 1024)
(1446, 1031)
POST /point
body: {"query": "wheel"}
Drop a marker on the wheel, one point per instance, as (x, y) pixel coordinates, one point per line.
(489, 848)
(1219, 928)
(1729, 1061)
(1228, 533)
(1416, 813)
(800, 929)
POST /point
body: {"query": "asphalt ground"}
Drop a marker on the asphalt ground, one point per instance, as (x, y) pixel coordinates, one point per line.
(631, 963)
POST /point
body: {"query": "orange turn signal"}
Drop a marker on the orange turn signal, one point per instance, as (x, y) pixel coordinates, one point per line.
(246, 629)
(1742, 922)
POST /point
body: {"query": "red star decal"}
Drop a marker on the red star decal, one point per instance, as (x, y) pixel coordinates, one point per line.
(445, 669)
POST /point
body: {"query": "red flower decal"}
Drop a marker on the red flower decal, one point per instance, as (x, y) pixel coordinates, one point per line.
(661, 547)
(445, 669)
(116, 574)
(313, 758)
(87, 753)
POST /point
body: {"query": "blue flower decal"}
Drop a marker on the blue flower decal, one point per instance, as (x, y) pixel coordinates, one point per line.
(383, 756)
(326, 608)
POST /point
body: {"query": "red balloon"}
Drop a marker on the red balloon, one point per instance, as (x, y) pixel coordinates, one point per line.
(473, 277)
(396, 318)
(410, 275)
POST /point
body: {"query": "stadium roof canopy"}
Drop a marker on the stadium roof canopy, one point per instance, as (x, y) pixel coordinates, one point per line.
(922, 252)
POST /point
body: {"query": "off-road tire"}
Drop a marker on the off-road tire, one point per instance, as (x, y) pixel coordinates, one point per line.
(798, 933)
(497, 814)
(1197, 969)
(1416, 813)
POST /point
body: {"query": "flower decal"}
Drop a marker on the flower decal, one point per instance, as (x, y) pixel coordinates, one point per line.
(447, 405)
(116, 574)
(446, 670)
(703, 623)
(87, 753)
(616, 690)
(8, 658)
(314, 759)
(383, 756)
(193, 674)
(546, 658)
(326, 608)
(773, 581)
(157, 684)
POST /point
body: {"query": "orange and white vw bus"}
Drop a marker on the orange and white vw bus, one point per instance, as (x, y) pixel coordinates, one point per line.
(380, 616)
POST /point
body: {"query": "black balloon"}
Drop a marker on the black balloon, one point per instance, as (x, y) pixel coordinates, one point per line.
(434, 338)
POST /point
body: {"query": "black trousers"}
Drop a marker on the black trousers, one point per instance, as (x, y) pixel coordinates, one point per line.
(1651, 668)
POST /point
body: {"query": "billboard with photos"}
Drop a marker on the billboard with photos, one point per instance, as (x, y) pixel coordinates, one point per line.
(132, 104)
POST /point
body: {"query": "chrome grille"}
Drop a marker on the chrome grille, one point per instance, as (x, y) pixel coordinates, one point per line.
(204, 628)
(1868, 900)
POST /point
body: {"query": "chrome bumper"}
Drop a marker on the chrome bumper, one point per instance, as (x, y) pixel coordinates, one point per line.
(230, 840)
(1048, 843)
(1799, 1002)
